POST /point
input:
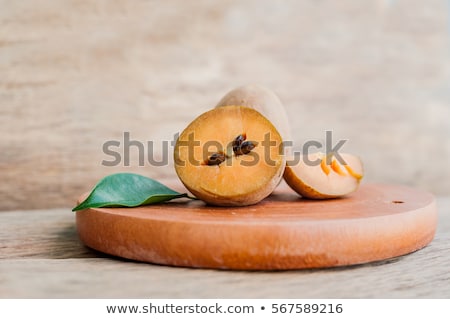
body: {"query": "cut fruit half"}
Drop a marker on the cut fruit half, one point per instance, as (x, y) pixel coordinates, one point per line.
(230, 156)
(321, 176)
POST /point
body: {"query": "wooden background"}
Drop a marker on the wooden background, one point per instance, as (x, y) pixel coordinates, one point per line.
(76, 73)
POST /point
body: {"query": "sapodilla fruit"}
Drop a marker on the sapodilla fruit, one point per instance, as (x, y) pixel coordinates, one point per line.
(230, 156)
(264, 101)
(321, 176)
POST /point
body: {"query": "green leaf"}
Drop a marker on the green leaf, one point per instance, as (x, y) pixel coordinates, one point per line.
(128, 190)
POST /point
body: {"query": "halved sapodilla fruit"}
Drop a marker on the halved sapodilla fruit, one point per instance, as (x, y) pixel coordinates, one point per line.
(321, 176)
(230, 156)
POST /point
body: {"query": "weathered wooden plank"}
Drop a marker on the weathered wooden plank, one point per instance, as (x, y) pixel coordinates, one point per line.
(75, 74)
(420, 275)
(40, 256)
(40, 234)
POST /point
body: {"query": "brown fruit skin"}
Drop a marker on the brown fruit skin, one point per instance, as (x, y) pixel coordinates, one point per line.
(264, 101)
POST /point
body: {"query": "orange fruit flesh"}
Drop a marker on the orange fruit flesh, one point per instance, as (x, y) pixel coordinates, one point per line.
(326, 178)
(239, 180)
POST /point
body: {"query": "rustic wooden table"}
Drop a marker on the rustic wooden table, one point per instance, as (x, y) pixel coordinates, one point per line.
(41, 257)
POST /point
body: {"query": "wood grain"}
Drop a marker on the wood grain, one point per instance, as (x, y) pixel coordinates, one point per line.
(41, 257)
(77, 73)
(377, 222)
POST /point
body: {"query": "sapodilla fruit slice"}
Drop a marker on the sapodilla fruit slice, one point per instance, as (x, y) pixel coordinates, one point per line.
(320, 176)
(230, 156)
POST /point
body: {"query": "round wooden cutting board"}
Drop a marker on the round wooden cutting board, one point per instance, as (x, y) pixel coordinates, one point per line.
(282, 232)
